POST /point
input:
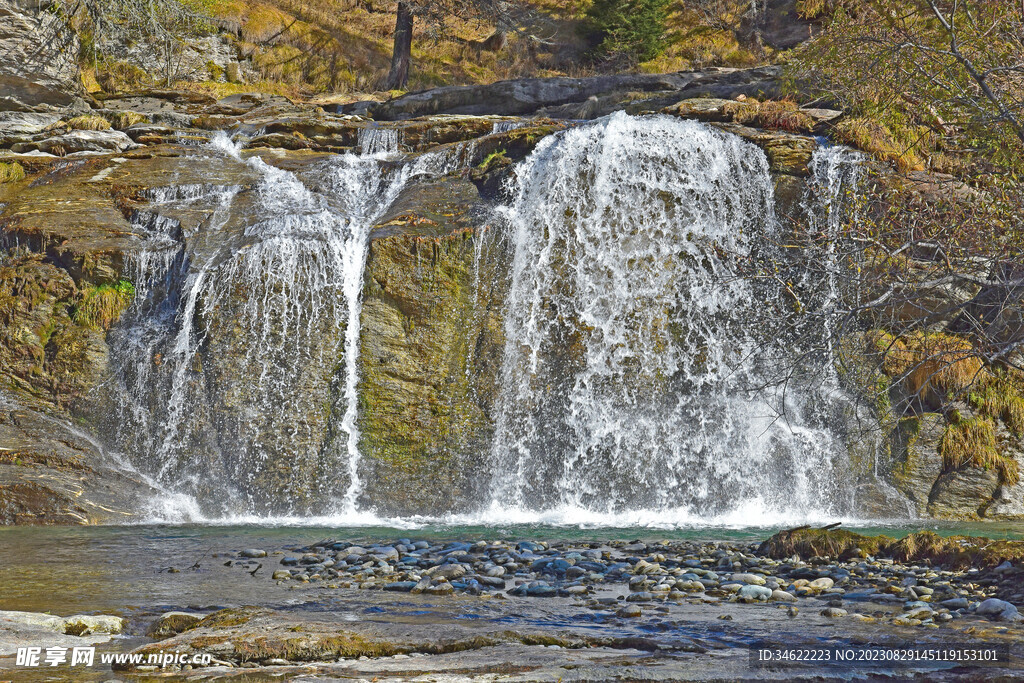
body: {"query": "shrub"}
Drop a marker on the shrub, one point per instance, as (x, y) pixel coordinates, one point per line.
(880, 140)
(630, 29)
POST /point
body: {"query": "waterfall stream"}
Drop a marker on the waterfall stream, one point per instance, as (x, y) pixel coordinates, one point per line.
(639, 375)
(236, 384)
(644, 334)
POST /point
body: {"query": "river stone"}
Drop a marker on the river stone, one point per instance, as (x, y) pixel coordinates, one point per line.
(753, 593)
(754, 579)
(640, 596)
(782, 596)
(629, 611)
(955, 603)
(443, 588)
(833, 612)
(253, 552)
(450, 571)
(823, 584)
(77, 625)
(1000, 610)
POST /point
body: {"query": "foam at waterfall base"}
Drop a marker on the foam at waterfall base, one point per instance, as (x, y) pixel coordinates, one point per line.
(754, 514)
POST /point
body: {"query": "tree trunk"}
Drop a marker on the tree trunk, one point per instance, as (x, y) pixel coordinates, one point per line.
(398, 77)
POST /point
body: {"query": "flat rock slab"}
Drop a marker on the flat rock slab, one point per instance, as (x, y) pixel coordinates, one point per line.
(33, 629)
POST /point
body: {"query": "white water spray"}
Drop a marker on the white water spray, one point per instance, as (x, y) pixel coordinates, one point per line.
(634, 351)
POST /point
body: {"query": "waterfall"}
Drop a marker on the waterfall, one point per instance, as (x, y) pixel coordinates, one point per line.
(507, 126)
(378, 141)
(237, 366)
(642, 347)
(648, 373)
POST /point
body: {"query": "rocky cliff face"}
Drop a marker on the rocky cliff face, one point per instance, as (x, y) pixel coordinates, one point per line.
(88, 205)
(39, 71)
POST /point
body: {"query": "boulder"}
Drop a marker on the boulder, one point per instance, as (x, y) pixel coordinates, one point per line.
(18, 127)
(778, 24)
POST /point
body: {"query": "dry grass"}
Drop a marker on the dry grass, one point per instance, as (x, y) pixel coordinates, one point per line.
(11, 172)
(116, 76)
(88, 122)
(775, 114)
(1001, 399)
(930, 362)
(340, 46)
(971, 442)
(924, 547)
(121, 120)
(833, 543)
(900, 147)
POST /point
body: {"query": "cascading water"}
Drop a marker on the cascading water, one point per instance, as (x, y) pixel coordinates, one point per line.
(643, 331)
(238, 366)
(639, 364)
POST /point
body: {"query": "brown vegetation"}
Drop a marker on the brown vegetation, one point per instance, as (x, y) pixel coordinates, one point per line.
(923, 547)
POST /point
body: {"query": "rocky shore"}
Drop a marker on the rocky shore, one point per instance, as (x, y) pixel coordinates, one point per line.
(533, 610)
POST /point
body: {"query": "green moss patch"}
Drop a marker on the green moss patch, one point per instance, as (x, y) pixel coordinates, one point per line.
(102, 306)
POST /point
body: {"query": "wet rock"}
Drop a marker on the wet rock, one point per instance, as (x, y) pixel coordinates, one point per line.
(629, 612)
(400, 586)
(833, 612)
(253, 553)
(916, 462)
(172, 623)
